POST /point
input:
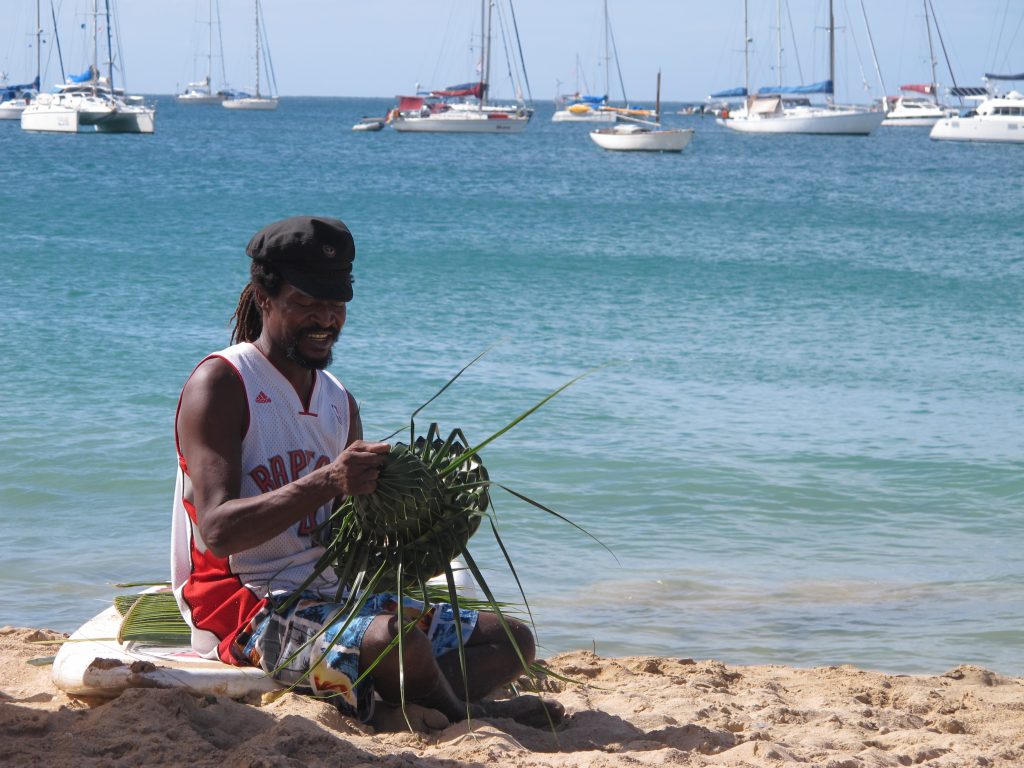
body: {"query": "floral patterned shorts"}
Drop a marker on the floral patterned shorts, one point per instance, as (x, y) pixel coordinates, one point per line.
(310, 648)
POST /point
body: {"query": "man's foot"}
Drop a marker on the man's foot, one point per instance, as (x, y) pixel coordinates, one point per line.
(391, 718)
(526, 709)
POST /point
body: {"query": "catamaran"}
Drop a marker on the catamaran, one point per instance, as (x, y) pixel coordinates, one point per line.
(90, 101)
(996, 119)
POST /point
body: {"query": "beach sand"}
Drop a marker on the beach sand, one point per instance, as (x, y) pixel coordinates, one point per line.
(637, 711)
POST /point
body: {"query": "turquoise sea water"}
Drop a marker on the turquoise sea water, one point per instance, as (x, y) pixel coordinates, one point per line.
(807, 448)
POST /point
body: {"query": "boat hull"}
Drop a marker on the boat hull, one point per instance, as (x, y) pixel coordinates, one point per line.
(463, 123)
(992, 128)
(11, 110)
(205, 98)
(254, 104)
(649, 141)
(130, 120)
(50, 120)
(594, 116)
(911, 122)
(64, 119)
(835, 122)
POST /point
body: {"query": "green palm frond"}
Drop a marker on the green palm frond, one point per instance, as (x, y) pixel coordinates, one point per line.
(432, 494)
(151, 617)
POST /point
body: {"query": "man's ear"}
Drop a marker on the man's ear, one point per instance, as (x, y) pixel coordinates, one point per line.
(262, 299)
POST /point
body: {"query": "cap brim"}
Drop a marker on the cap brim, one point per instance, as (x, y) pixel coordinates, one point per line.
(331, 286)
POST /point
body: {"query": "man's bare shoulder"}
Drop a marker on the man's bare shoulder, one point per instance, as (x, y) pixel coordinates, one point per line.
(214, 382)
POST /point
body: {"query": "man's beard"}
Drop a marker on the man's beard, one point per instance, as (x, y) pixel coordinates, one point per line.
(293, 353)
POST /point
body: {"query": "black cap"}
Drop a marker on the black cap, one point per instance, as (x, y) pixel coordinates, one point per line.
(313, 253)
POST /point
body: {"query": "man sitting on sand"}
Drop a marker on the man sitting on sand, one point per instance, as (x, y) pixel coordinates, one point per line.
(268, 441)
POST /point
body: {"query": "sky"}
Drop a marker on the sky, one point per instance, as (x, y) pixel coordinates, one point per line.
(387, 47)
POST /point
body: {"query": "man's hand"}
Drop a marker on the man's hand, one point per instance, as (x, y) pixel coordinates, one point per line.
(356, 470)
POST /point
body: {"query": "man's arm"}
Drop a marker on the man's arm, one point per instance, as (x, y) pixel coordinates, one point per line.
(210, 423)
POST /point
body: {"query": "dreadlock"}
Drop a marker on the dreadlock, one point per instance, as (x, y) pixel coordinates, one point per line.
(247, 318)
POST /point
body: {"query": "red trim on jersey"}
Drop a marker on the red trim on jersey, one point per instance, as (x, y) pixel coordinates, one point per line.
(218, 601)
(190, 508)
(177, 411)
(224, 646)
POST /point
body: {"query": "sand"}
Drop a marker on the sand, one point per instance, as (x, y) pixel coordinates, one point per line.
(637, 711)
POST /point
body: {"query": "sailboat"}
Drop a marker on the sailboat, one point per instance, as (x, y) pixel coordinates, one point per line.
(633, 134)
(257, 101)
(14, 98)
(583, 108)
(788, 109)
(464, 108)
(201, 92)
(910, 111)
(90, 100)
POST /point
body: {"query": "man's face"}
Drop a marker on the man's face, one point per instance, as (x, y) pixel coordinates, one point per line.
(304, 327)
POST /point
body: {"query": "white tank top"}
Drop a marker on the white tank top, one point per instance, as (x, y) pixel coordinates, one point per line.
(284, 439)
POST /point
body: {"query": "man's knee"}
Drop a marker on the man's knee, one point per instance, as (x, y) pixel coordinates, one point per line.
(524, 639)
(379, 643)
(493, 632)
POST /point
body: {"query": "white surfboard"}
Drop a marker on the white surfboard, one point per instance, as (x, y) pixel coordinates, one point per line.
(93, 663)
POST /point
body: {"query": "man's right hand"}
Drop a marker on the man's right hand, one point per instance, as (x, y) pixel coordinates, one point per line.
(356, 470)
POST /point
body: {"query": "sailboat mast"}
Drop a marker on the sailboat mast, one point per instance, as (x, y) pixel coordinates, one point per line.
(209, 46)
(778, 37)
(931, 54)
(95, 41)
(832, 49)
(257, 4)
(39, 60)
(746, 47)
(607, 57)
(110, 50)
(657, 100)
(487, 52)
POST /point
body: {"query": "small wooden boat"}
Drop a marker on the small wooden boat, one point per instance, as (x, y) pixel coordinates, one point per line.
(643, 135)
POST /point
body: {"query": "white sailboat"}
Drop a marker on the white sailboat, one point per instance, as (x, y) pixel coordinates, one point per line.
(597, 109)
(923, 110)
(583, 108)
(463, 108)
(201, 92)
(635, 135)
(14, 98)
(257, 101)
(782, 109)
(90, 101)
